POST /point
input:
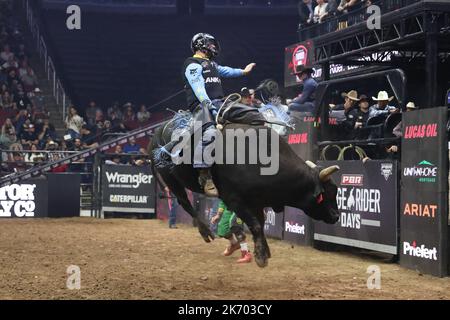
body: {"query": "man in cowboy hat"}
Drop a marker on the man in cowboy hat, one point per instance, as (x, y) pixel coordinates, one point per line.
(382, 108)
(347, 125)
(305, 102)
(397, 131)
(362, 116)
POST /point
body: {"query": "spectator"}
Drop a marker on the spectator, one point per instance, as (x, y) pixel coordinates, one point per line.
(132, 147)
(361, 117)
(115, 160)
(248, 97)
(99, 116)
(17, 164)
(20, 119)
(306, 12)
(11, 65)
(46, 131)
(143, 115)
(29, 80)
(74, 123)
(21, 99)
(347, 5)
(38, 100)
(6, 53)
(347, 124)
(397, 131)
(115, 109)
(320, 11)
(7, 101)
(8, 134)
(129, 113)
(382, 108)
(88, 138)
(305, 102)
(34, 157)
(28, 135)
(91, 112)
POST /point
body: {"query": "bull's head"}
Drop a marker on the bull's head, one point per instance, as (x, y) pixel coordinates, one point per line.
(324, 205)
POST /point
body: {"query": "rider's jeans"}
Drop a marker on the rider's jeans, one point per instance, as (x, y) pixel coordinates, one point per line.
(206, 145)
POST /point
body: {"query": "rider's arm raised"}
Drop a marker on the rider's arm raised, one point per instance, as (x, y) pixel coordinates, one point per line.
(195, 78)
(227, 72)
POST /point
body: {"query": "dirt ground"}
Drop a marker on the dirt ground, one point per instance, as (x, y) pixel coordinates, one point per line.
(132, 259)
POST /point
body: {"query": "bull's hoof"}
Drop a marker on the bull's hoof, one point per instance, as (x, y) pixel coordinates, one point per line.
(206, 234)
(262, 262)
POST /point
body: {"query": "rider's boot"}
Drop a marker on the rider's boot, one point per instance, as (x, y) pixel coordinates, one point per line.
(207, 183)
(246, 257)
(231, 249)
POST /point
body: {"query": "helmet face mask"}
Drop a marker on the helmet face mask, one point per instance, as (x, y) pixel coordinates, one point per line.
(206, 43)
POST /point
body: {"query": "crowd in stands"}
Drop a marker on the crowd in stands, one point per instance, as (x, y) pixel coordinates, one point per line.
(317, 11)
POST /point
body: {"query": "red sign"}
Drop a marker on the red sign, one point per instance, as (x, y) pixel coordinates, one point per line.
(352, 180)
(299, 138)
(421, 131)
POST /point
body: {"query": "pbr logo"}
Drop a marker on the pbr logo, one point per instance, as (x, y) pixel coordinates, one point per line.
(387, 170)
(422, 252)
(352, 180)
(17, 200)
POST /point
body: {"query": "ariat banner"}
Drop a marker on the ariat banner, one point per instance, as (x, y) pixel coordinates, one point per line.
(424, 192)
(128, 189)
(367, 200)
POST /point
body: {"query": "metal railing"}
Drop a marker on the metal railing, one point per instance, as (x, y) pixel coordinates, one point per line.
(58, 90)
(342, 21)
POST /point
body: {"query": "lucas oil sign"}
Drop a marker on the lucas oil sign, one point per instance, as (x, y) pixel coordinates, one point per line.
(367, 203)
(128, 189)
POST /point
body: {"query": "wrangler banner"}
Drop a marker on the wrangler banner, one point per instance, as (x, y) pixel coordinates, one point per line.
(128, 189)
(424, 192)
(367, 200)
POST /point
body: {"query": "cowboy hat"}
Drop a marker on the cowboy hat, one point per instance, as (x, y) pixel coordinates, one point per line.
(383, 96)
(411, 105)
(352, 95)
(37, 90)
(300, 69)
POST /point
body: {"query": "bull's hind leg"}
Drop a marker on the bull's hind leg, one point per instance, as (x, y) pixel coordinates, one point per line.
(179, 191)
(254, 219)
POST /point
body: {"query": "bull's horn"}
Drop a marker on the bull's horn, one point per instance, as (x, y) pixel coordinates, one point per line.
(311, 164)
(325, 174)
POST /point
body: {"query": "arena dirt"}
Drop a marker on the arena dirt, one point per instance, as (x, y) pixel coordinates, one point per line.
(132, 259)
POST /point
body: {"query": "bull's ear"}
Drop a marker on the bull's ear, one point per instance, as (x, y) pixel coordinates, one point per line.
(311, 164)
(325, 174)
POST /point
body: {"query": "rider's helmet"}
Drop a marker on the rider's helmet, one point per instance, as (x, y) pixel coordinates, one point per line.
(206, 43)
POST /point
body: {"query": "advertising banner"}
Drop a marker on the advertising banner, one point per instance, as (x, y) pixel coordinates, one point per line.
(368, 204)
(128, 189)
(296, 55)
(273, 228)
(424, 191)
(27, 199)
(297, 227)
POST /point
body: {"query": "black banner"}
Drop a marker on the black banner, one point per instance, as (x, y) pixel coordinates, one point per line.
(303, 139)
(297, 227)
(295, 55)
(25, 200)
(128, 189)
(424, 192)
(368, 204)
(273, 228)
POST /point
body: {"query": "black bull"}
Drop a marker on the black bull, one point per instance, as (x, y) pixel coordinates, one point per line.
(244, 190)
